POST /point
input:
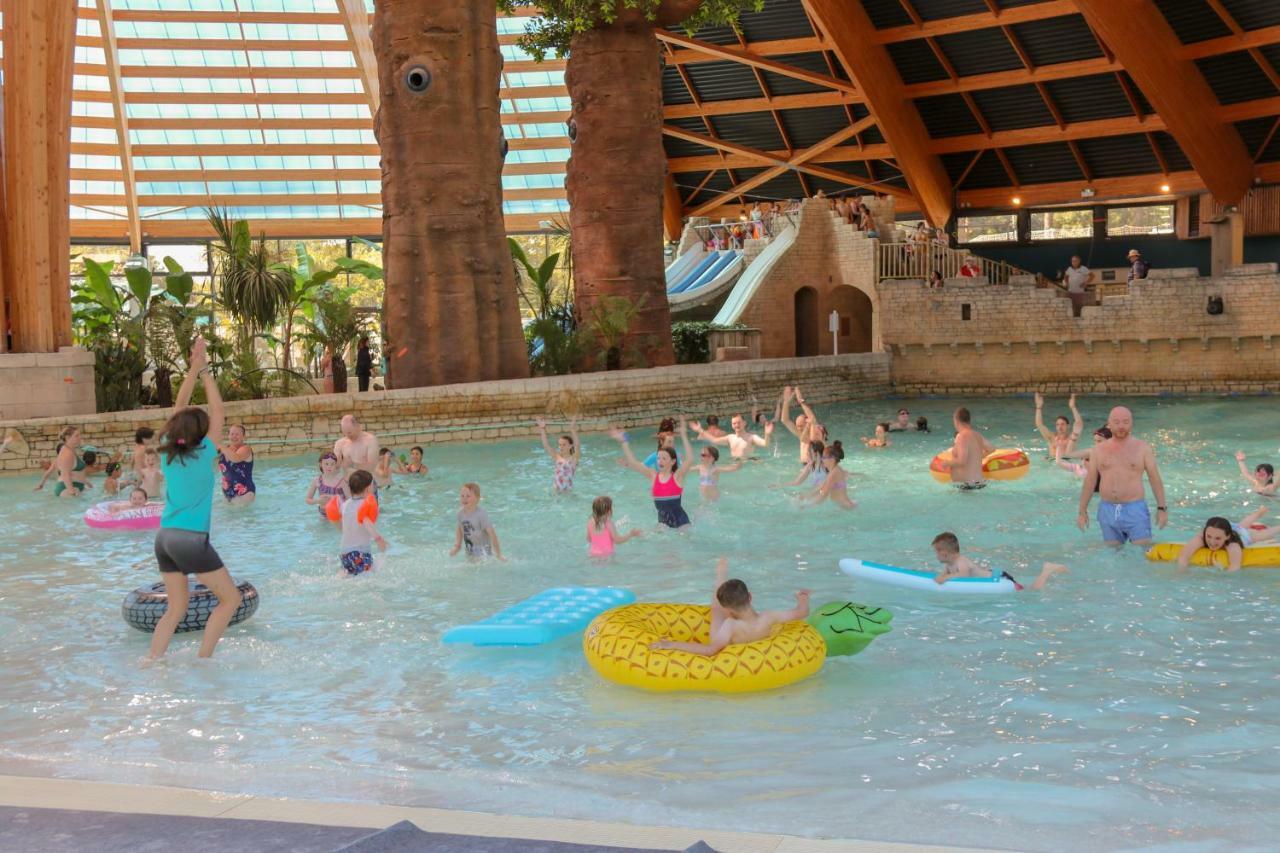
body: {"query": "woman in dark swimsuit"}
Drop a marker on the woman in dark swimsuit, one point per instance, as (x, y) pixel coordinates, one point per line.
(235, 464)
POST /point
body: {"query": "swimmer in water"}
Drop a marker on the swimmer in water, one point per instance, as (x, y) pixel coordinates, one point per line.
(970, 448)
(946, 546)
(235, 462)
(734, 621)
(742, 444)
(1219, 533)
(805, 427)
(812, 473)
(111, 484)
(151, 477)
(137, 500)
(709, 473)
(881, 439)
(667, 482)
(328, 484)
(1100, 435)
(414, 463)
(382, 471)
(566, 456)
(1062, 440)
(713, 428)
(358, 532)
(903, 423)
(602, 536)
(143, 438)
(1263, 478)
(835, 486)
(475, 531)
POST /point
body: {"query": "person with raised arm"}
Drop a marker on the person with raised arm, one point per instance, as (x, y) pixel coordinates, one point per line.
(566, 455)
(668, 481)
(1064, 436)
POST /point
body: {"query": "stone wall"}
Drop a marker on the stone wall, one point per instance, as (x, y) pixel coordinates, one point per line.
(495, 410)
(1156, 338)
(46, 384)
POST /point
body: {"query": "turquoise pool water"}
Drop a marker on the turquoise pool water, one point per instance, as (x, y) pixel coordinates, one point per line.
(1125, 708)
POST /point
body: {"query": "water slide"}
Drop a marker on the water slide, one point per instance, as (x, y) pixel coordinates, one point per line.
(745, 290)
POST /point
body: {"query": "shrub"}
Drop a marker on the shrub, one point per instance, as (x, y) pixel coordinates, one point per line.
(690, 339)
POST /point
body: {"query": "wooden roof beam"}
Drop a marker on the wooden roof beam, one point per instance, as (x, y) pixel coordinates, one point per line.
(746, 57)
(356, 21)
(852, 37)
(759, 105)
(120, 112)
(792, 163)
(1146, 46)
(975, 21)
(839, 154)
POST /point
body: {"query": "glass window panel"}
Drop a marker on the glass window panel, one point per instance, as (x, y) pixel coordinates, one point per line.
(90, 55)
(103, 254)
(101, 135)
(1001, 228)
(1061, 224)
(1148, 219)
(193, 257)
(95, 161)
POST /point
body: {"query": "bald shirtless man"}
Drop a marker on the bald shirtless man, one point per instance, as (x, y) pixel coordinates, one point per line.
(356, 449)
(967, 454)
(1120, 462)
(742, 444)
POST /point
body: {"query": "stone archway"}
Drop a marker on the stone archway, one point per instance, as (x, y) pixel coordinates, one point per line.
(808, 323)
(857, 318)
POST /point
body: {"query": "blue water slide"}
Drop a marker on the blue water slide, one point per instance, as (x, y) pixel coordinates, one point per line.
(708, 275)
(681, 266)
(705, 264)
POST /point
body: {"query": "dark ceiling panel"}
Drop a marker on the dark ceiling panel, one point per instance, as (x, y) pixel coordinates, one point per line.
(1057, 40)
(1235, 77)
(916, 62)
(723, 81)
(1192, 20)
(679, 147)
(779, 19)
(1117, 156)
(1254, 131)
(1254, 14)
(979, 52)
(1013, 107)
(947, 115)
(1044, 164)
(885, 13)
(757, 130)
(872, 136)
(1272, 54)
(719, 183)
(715, 35)
(674, 91)
(1271, 153)
(780, 84)
(852, 167)
(933, 10)
(786, 185)
(686, 182)
(1171, 152)
(987, 173)
(955, 163)
(1138, 94)
(1009, 4)
(810, 126)
(1097, 96)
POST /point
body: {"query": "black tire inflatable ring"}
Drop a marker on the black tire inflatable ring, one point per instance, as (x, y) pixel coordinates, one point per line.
(144, 606)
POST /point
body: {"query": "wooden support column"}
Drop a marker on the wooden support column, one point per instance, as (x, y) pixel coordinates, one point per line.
(852, 36)
(1146, 46)
(672, 209)
(1226, 240)
(356, 21)
(39, 42)
(111, 55)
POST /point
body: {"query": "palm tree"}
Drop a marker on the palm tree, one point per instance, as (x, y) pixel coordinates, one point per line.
(252, 286)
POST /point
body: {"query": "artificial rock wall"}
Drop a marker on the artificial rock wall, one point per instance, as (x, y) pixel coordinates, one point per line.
(488, 411)
(46, 384)
(978, 338)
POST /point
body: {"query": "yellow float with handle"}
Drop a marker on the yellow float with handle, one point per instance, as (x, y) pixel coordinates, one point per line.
(616, 644)
(1007, 463)
(1254, 557)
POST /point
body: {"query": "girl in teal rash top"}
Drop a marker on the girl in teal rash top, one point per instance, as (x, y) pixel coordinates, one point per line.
(188, 448)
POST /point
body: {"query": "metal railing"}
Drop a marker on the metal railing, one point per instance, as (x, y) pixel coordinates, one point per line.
(920, 260)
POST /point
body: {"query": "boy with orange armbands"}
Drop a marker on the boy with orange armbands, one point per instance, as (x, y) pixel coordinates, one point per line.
(359, 531)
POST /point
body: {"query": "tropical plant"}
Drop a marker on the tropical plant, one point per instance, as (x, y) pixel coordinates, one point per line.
(172, 328)
(109, 321)
(610, 324)
(691, 339)
(551, 338)
(308, 280)
(541, 301)
(334, 326)
(251, 286)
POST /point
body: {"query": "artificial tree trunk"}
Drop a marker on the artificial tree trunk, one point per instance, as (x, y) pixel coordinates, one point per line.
(450, 304)
(615, 175)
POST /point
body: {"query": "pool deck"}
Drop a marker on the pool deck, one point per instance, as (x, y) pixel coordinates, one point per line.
(43, 793)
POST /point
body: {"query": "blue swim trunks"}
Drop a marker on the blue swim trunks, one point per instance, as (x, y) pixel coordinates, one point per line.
(357, 562)
(1126, 522)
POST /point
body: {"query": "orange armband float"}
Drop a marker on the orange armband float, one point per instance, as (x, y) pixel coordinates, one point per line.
(333, 510)
(368, 510)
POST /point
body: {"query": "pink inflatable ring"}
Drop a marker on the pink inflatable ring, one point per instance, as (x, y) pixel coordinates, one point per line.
(145, 517)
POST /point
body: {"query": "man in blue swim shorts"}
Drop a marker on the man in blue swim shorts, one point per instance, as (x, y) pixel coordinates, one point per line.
(1119, 463)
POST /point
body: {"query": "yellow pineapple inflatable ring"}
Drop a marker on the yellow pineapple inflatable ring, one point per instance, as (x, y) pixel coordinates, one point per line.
(616, 644)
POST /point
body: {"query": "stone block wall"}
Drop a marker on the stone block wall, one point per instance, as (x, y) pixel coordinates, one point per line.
(46, 384)
(491, 411)
(1156, 338)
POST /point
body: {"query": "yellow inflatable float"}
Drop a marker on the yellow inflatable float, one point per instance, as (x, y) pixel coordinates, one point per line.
(1007, 463)
(616, 645)
(1255, 557)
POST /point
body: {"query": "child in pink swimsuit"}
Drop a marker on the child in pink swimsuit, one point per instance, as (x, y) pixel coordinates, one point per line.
(602, 536)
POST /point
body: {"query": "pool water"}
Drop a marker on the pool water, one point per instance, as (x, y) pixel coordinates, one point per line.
(1125, 707)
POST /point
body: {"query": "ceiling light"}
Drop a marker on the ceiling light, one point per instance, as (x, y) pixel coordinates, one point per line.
(1164, 188)
(1017, 200)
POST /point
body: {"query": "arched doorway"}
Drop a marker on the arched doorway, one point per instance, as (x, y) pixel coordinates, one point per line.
(808, 323)
(856, 314)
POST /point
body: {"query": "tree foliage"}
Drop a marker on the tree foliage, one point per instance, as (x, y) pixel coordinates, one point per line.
(559, 21)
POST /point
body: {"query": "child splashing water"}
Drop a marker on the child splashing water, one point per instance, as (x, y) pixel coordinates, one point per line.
(602, 536)
(1262, 479)
(382, 471)
(667, 481)
(733, 619)
(566, 456)
(358, 527)
(328, 484)
(1220, 533)
(414, 464)
(709, 471)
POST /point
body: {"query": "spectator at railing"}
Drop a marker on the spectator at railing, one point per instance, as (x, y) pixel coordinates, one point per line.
(1139, 267)
(868, 221)
(935, 281)
(971, 268)
(738, 236)
(1077, 277)
(757, 222)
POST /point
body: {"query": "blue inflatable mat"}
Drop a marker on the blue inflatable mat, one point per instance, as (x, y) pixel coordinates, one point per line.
(547, 616)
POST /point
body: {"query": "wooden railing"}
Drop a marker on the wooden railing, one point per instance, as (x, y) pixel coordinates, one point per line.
(919, 260)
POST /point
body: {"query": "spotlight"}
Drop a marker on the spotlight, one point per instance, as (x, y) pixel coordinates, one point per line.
(1017, 200)
(1164, 188)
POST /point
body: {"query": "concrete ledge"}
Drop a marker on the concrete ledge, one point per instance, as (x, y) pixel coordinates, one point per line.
(34, 792)
(1254, 269)
(37, 385)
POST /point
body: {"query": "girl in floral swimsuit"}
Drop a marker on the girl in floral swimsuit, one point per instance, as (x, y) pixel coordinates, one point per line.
(566, 456)
(235, 464)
